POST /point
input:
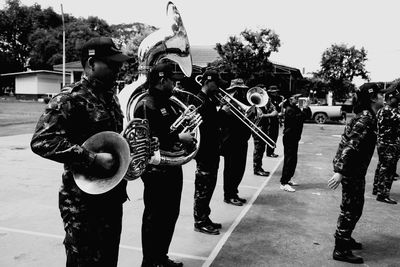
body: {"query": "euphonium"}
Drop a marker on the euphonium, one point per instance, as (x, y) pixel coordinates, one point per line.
(171, 43)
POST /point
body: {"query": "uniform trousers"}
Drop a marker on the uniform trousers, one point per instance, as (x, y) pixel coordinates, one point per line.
(385, 169)
(273, 133)
(92, 234)
(234, 167)
(205, 182)
(290, 149)
(162, 198)
(353, 189)
(258, 153)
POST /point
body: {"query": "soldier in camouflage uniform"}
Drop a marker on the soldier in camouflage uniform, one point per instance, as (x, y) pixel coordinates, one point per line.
(269, 111)
(273, 122)
(388, 146)
(207, 158)
(92, 223)
(350, 165)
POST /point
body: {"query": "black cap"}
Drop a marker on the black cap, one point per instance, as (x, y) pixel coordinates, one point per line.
(392, 91)
(370, 89)
(272, 89)
(102, 48)
(161, 70)
(213, 75)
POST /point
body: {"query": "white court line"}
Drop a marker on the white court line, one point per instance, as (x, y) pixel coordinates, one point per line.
(41, 234)
(30, 232)
(223, 240)
(221, 184)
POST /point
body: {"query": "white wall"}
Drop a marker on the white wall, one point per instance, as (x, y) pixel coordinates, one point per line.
(49, 83)
(26, 84)
(39, 83)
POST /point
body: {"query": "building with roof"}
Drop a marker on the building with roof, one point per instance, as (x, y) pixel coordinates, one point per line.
(37, 84)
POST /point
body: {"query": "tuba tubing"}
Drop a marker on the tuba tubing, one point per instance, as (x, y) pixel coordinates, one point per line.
(169, 42)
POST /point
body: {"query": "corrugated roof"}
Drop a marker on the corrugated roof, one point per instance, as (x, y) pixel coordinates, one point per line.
(32, 72)
(201, 56)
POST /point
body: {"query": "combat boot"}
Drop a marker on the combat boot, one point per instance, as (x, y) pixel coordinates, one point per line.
(342, 252)
(354, 244)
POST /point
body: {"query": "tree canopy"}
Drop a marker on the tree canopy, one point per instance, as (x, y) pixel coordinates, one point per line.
(246, 56)
(32, 37)
(340, 64)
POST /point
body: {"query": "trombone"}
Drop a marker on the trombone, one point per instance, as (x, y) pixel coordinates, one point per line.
(258, 97)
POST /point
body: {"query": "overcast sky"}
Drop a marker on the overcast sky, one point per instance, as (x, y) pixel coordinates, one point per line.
(306, 27)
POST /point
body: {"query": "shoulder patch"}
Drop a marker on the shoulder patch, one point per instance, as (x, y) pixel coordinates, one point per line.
(71, 88)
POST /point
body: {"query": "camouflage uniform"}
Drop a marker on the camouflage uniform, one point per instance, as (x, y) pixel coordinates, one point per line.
(207, 159)
(351, 160)
(259, 145)
(388, 147)
(92, 223)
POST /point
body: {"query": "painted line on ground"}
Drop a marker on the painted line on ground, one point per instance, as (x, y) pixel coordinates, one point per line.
(221, 184)
(228, 233)
(41, 234)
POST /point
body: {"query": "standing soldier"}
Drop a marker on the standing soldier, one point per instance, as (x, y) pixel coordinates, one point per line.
(207, 158)
(273, 121)
(92, 223)
(235, 136)
(350, 165)
(269, 112)
(293, 128)
(162, 183)
(388, 146)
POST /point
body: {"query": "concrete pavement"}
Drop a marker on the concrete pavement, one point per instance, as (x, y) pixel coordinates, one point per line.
(275, 228)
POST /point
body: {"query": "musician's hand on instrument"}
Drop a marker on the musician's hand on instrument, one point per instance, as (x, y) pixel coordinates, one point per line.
(154, 145)
(187, 138)
(334, 182)
(104, 161)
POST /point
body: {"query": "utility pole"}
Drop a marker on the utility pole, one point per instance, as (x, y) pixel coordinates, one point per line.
(63, 27)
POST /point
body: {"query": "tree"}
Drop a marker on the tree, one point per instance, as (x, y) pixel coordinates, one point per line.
(129, 37)
(339, 65)
(247, 56)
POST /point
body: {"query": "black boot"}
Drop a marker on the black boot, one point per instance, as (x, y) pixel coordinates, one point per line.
(342, 252)
(354, 245)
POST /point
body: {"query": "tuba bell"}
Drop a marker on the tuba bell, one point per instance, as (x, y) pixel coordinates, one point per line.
(134, 148)
(170, 42)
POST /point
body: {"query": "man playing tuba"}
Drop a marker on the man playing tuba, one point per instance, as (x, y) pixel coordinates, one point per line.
(162, 183)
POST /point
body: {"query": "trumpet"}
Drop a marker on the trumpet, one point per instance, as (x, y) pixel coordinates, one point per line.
(258, 98)
(190, 120)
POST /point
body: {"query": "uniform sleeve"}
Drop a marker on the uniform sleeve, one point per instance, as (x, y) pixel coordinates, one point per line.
(354, 139)
(50, 139)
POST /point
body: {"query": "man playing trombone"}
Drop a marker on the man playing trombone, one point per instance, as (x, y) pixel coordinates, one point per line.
(207, 158)
(269, 111)
(235, 136)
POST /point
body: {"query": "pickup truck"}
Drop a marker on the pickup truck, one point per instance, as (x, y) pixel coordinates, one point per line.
(322, 113)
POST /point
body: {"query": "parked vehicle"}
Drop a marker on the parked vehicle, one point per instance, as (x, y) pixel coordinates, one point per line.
(322, 113)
